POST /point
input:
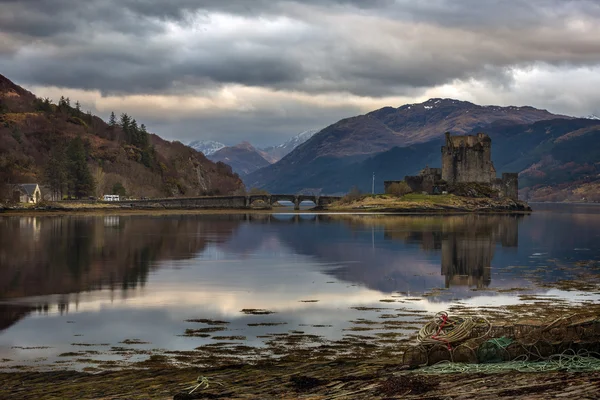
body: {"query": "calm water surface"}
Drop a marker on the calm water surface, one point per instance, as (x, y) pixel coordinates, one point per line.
(95, 281)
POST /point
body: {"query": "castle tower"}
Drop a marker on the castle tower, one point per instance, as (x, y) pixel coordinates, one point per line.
(468, 159)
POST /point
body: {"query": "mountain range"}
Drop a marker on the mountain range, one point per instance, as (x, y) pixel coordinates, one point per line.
(32, 129)
(554, 154)
(557, 156)
(245, 158)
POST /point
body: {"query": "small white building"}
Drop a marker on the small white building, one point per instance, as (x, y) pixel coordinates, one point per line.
(26, 193)
(111, 197)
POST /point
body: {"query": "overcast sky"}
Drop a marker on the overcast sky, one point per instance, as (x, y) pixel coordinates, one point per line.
(264, 70)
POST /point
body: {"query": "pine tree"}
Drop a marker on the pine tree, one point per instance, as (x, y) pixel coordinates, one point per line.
(144, 137)
(125, 126)
(55, 172)
(62, 104)
(134, 127)
(81, 182)
(134, 135)
(47, 104)
(78, 107)
(112, 120)
(125, 121)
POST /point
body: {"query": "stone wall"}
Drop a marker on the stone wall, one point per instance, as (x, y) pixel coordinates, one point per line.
(427, 181)
(508, 185)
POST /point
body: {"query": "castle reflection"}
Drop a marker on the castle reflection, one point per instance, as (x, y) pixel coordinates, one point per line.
(467, 243)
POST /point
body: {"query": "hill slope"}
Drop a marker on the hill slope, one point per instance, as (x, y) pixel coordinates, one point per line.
(31, 129)
(355, 139)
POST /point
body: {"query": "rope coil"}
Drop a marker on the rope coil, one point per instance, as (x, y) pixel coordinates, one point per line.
(450, 331)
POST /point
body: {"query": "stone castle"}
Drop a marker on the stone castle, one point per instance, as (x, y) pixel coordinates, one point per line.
(465, 160)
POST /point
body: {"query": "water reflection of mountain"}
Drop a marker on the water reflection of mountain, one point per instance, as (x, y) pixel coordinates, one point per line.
(54, 255)
(63, 255)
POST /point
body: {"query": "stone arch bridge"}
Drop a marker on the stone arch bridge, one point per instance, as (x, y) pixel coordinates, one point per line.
(229, 202)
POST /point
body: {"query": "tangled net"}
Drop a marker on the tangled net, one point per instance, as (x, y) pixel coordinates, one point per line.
(567, 361)
(566, 343)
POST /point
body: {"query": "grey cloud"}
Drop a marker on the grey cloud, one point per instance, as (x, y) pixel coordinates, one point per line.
(112, 46)
(370, 48)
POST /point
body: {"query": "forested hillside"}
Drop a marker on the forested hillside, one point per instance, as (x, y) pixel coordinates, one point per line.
(77, 154)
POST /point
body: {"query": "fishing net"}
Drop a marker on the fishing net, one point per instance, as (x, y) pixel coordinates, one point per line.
(568, 362)
(494, 350)
(472, 340)
(467, 352)
(438, 353)
(415, 356)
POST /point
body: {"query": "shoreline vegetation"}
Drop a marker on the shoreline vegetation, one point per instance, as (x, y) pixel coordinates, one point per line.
(380, 203)
(423, 203)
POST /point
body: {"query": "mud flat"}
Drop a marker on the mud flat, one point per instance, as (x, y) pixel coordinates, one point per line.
(366, 364)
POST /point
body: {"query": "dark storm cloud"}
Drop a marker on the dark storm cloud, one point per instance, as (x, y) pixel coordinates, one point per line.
(370, 48)
(377, 48)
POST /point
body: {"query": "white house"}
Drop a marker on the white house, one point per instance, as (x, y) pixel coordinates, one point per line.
(26, 193)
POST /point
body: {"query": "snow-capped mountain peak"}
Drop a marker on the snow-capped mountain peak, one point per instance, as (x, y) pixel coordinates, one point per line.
(592, 116)
(206, 147)
(275, 153)
(298, 139)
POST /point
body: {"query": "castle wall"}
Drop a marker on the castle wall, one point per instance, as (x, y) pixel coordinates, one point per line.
(508, 185)
(415, 183)
(426, 181)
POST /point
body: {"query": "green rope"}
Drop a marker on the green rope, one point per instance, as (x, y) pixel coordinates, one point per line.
(568, 361)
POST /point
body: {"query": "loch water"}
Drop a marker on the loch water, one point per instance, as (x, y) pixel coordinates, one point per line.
(98, 281)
